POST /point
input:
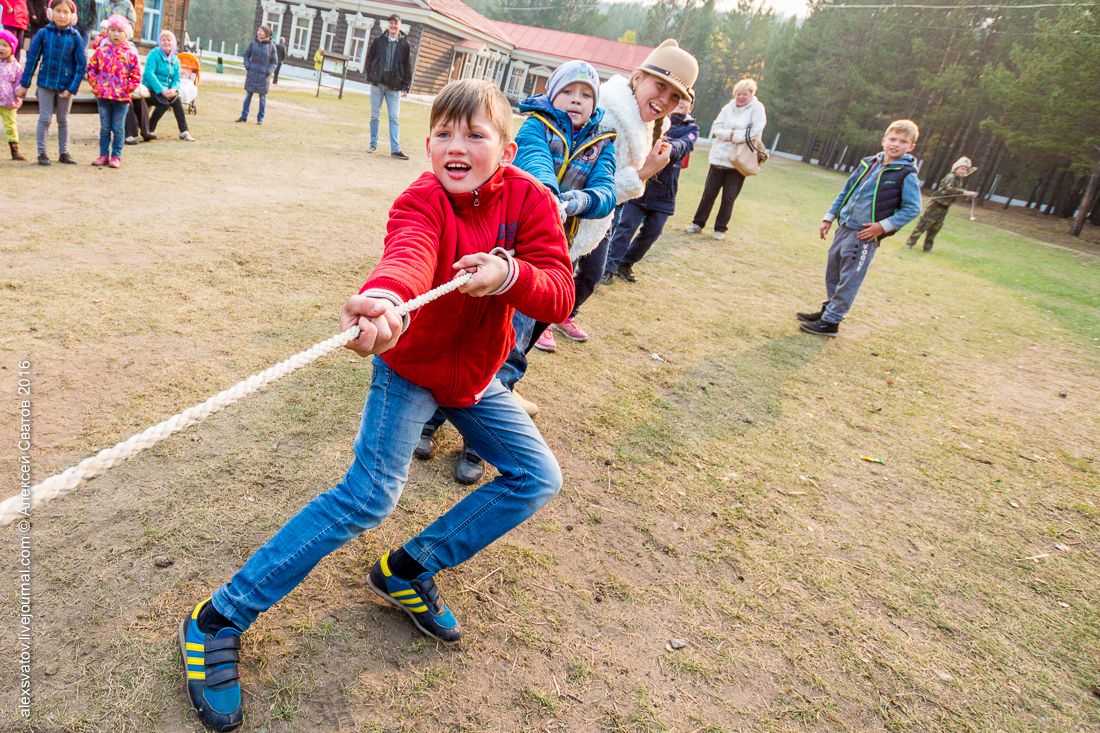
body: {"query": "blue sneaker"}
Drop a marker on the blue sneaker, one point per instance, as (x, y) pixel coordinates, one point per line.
(418, 598)
(210, 672)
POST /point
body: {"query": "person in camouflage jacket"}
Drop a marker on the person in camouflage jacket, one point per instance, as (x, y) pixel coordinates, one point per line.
(949, 191)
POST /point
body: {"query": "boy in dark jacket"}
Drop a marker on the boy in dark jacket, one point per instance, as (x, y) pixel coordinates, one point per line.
(881, 196)
(652, 209)
(471, 212)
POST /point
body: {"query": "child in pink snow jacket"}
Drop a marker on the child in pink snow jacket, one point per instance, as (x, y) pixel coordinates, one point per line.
(114, 72)
(10, 71)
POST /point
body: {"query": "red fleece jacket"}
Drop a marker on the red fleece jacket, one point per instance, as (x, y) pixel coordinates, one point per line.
(455, 344)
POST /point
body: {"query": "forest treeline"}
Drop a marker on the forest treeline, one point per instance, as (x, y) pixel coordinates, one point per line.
(1013, 86)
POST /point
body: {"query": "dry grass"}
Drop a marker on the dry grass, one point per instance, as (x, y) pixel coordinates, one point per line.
(715, 496)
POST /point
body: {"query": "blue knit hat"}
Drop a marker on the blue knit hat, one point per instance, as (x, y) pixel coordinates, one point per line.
(570, 72)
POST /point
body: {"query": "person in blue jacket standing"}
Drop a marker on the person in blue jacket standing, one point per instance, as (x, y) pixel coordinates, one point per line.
(652, 209)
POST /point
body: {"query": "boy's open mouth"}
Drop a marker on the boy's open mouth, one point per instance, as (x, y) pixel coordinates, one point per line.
(457, 169)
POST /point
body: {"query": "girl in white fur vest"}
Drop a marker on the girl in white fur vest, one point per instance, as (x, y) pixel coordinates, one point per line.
(637, 108)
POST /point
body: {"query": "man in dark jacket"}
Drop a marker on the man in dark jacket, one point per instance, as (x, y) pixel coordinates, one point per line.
(280, 52)
(389, 71)
(652, 209)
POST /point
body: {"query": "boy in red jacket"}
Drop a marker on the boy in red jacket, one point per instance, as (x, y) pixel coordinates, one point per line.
(471, 212)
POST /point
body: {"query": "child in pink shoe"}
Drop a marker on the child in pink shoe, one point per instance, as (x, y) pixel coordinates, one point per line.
(114, 73)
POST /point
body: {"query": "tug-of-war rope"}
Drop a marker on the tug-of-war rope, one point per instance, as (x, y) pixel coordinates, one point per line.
(62, 483)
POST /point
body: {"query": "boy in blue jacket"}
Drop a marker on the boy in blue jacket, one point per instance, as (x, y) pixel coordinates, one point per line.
(563, 145)
(652, 209)
(880, 197)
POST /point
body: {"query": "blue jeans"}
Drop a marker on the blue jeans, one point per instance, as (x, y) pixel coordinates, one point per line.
(112, 126)
(589, 268)
(513, 369)
(394, 413)
(393, 112)
(248, 103)
(625, 248)
(847, 265)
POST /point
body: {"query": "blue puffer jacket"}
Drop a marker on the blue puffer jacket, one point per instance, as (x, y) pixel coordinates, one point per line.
(660, 191)
(61, 51)
(584, 160)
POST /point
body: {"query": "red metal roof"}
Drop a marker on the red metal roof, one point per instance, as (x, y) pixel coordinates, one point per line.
(566, 46)
(463, 13)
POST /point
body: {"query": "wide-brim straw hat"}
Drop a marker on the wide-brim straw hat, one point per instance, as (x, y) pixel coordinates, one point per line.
(961, 162)
(673, 64)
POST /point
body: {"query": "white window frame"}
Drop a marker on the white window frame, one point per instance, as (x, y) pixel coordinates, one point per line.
(303, 21)
(330, 22)
(151, 19)
(517, 77)
(358, 21)
(277, 9)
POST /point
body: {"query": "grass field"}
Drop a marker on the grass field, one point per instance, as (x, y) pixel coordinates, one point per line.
(715, 493)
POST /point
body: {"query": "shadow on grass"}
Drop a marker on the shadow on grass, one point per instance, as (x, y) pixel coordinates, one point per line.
(723, 395)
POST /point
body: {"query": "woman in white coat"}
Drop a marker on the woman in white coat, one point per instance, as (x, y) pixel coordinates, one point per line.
(743, 115)
(637, 109)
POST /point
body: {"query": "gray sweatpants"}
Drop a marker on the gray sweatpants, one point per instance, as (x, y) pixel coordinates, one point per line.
(50, 102)
(849, 260)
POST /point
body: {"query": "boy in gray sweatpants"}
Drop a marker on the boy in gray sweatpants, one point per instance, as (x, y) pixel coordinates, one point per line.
(881, 196)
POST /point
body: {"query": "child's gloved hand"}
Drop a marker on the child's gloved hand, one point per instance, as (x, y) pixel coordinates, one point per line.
(576, 202)
(379, 324)
(489, 272)
(561, 211)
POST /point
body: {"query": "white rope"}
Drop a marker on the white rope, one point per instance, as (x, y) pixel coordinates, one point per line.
(62, 483)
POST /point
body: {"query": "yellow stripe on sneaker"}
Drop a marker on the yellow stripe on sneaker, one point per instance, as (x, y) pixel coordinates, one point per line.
(385, 563)
(196, 660)
(195, 613)
(406, 592)
(193, 647)
(411, 601)
(196, 675)
(419, 609)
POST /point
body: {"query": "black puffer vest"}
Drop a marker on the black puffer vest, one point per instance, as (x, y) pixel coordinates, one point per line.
(887, 197)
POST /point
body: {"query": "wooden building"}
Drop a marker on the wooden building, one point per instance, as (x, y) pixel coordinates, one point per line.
(449, 40)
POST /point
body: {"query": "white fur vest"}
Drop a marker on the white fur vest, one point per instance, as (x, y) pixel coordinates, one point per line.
(632, 145)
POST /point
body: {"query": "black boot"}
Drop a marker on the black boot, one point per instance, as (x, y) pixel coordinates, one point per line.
(66, 159)
(15, 154)
(809, 316)
(820, 328)
(425, 447)
(470, 468)
(627, 273)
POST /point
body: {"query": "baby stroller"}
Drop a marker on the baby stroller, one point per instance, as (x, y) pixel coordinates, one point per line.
(189, 81)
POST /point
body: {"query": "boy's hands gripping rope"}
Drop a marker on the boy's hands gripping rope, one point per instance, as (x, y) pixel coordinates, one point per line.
(378, 321)
(489, 272)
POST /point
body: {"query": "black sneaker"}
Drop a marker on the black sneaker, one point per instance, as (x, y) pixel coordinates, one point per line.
(43, 160)
(470, 468)
(241, 119)
(425, 447)
(606, 278)
(820, 327)
(398, 154)
(66, 159)
(418, 598)
(626, 273)
(810, 316)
